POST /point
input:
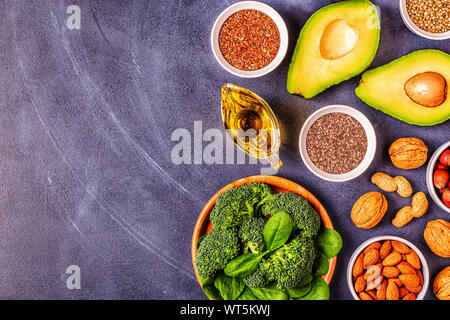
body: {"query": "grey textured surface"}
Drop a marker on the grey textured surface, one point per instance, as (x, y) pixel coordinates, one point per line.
(86, 175)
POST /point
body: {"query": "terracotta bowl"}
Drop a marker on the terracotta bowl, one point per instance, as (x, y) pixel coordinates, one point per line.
(277, 184)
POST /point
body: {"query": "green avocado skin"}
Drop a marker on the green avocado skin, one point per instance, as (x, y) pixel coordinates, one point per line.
(430, 121)
(317, 15)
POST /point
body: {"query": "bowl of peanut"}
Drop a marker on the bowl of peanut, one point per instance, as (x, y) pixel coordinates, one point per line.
(387, 268)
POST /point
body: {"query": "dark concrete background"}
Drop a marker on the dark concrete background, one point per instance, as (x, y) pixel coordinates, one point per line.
(86, 175)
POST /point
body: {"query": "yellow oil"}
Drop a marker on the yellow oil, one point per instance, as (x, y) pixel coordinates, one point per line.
(251, 123)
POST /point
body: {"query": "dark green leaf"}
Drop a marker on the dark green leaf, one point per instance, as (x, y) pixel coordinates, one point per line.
(230, 288)
(319, 290)
(212, 292)
(321, 265)
(270, 293)
(300, 292)
(329, 242)
(243, 265)
(277, 230)
(247, 294)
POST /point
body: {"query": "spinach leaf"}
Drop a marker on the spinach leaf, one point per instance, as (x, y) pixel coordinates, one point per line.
(247, 294)
(321, 265)
(269, 293)
(300, 292)
(230, 288)
(319, 290)
(243, 265)
(277, 230)
(329, 242)
(212, 292)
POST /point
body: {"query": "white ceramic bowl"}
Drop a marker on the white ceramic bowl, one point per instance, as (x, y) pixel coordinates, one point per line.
(425, 270)
(430, 169)
(264, 8)
(371, 143)
(414, 28)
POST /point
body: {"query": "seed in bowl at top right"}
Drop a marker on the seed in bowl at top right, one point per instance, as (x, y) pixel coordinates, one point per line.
(412, 88)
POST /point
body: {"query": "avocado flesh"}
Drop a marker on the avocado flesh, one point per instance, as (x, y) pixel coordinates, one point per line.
(352, 28)
(383, 88)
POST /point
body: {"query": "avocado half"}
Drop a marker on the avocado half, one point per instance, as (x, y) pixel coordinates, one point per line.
(338, 42)
(412, 88)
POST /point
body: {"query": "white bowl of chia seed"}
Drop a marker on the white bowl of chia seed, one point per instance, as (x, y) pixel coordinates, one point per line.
(337, 143)
(426, 18)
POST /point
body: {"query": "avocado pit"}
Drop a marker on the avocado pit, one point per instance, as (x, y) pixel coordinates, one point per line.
(428, 89)
(338, 39)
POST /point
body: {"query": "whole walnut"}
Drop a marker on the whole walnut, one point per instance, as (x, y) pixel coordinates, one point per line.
(441, 284)
(408, 153)
(369, 209)
(437, 236)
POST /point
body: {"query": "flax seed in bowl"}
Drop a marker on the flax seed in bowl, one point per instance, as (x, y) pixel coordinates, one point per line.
(427, 18)
(249, 39)
(337, 143)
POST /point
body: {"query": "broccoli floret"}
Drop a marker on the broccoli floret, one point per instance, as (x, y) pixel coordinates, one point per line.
(258, 278)
(216, 249)
(237, 204)
(251, 234)
(288, 264)
(305, 217)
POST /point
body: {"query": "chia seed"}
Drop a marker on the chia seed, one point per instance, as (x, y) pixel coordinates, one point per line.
(336, 143)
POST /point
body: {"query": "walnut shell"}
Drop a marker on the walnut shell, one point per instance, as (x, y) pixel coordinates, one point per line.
(441, 284)
(408, 153)
(369, 209)
(437, 236)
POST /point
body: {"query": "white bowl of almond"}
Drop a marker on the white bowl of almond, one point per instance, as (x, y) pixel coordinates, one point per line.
(387, 268)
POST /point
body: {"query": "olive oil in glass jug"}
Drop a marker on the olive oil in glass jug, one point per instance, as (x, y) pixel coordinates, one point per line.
(251, 123)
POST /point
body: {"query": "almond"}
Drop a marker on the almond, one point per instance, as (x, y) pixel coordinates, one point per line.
(409, 280)
(405, 267)
(414, 289)
(404, 188)
(409, 296)
(381, 291)
(392, 291)
(397, 282)
(403, 292)
(371, 257)
(413, 259)
(400, 247)
(403, 217)
(375, 283)
(385, 249)
(372, 294)
(358, 266)
(372, 272)
(419, 204)
(392, 259)
(384, 181)
(375, 245)
(365, 296)
(360, 284)
(390, 272)
(420, 275)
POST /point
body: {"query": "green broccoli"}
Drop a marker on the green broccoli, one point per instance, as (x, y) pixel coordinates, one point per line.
(237, 204)
(258, 278)
(251, 234)
(288, 264)
(305, 217)
(216, 249)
